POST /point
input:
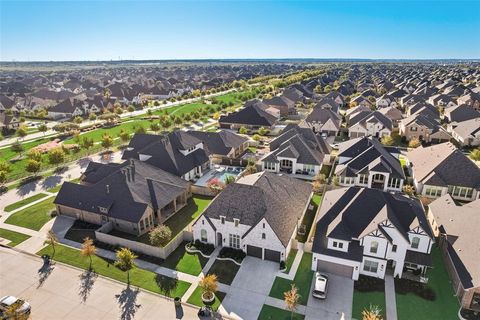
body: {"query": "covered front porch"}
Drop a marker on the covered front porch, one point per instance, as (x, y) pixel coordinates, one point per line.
(416, 266)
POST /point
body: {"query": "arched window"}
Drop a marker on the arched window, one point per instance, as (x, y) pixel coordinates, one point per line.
(374, 247)
(203, 235)
(415, 242)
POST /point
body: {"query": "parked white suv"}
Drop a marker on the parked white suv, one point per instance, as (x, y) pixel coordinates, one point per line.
(6, 302)
(321, 286)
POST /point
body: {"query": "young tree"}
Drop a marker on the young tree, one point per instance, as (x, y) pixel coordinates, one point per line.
(209, 285)
(88, 250)
(409, 189)
(292, 299)
(387, 140)
(262, 131)
(92, 117)
(160, 235)
(229, 180)
(33, 166)
(372, 313)
(140, 130)
(155, 127)
(125, 261)
(257, 137)
(17, 147)
(86, 143)
(22, 132)
(475, 154)
(124, 135)
(51, 240)
(43, 128)
(78, 120)
(414, 143)
(34, 154)
(3, 177)
(242, 130)
(178, 121)
(56, 156)
(107, 141)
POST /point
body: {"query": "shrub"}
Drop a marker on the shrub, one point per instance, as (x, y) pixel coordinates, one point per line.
(160, 235)
(282, 265)
(404, 286)
(235, 254)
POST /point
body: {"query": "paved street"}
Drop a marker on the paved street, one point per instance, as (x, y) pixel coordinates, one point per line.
(61, 292)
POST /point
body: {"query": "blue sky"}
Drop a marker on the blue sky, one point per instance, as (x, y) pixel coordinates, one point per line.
(105, 30)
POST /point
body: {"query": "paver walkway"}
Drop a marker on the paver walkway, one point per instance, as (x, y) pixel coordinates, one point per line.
(390, 300)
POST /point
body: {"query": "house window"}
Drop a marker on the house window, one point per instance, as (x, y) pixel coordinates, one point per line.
(433, 192)
(374, 247)
(103, 210)
(142, 225)
(394, 183)
(370, 266)
(363, 179)
(394, 248)
(264, 225)
(222, 220)
(340, 245)
(415, 242)
(335, 244)
(264, 235)
(203, 235)
(234, 241)
(269, 166)
(413, 129)
(236, 221)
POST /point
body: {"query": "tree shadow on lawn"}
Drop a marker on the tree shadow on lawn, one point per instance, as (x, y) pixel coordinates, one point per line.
(44, 272)
(87, 280)
(127, 302)
(166, 284)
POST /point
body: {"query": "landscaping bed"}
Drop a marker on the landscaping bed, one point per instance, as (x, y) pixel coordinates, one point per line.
(225, 271)
(14, 237)
(272, 313)
(303, 280)
(24, 202)
(138, 277)
(205, 248)
(230, 253)
(196, 299)
(33, 217)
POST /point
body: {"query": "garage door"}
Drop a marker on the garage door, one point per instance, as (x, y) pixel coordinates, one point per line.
(272, 255)
(254, 251)
(335, 268)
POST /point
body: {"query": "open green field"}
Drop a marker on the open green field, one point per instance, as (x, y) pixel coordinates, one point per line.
(24, 202)
(445, 305)
(138, 277)
(14, 237)
(33, 217)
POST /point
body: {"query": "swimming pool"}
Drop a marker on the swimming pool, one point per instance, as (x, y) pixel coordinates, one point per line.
(219, 172)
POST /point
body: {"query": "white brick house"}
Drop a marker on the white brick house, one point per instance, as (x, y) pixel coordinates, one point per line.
(370, 232)
(258, 214)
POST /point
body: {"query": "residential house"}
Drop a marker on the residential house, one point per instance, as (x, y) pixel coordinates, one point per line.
(460, 113)
(133, 196)
(466, 133)
(251, 117)
(423, 128)
(371, 232)
(259, 214)
(441, 169)
(471, 99)
(324, 121)
(282, 103)
(393, 114)
(365, 162)
(371, 123)
(222, 144)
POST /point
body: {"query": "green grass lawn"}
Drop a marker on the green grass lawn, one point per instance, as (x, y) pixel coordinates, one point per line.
(14, 237)
(309, 217)
(138, 277)
(33, 217)
(196, 298)
(445, 306)
(272, 313)
(180, 260)
(303, 280)
(363, 300)
(291, 257)
(225, 271)
(190, 212)
(24, 202)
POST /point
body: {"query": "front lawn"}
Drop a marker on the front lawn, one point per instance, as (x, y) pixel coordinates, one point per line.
(14, 237)
(196, 298)
(273, 313)
(138, 277)
(180, 260)
(24, 202)
(303, 280)
(445, 305)
(225, 271)
(368, 291)
(33, 217)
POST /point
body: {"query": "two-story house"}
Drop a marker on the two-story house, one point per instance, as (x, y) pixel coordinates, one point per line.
(259, 214)
(372, 123)
(365, 162)
(371, 232)
(423, 128)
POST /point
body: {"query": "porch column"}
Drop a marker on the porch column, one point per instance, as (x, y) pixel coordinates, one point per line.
(370, 179)
(385, 184)
(175, 205)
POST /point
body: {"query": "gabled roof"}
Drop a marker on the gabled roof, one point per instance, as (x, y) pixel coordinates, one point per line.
(220, 143)
(322, 115)
(280, 200)
(251, 115)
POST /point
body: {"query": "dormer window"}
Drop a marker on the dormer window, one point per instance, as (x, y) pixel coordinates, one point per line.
(236, 221)
(222, 219)
(103, 210)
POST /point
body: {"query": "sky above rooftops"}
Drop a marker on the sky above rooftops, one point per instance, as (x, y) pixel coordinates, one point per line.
(114, 30)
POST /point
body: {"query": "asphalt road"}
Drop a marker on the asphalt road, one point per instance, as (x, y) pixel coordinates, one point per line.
(61, 292)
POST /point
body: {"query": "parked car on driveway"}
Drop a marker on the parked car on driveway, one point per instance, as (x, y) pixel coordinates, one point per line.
(23, 308)
(321, 286)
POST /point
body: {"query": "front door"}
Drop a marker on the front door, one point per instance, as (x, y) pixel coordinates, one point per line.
(219, 240)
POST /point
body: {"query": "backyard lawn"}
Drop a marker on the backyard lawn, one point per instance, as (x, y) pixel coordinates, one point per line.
(196, 298)
(14, 237)
(309, 217)
(180, 260)
(33, 217)
(445, 306)
(272, 313)
(24, 202)
(303, 280)
(138, 277)
(225, 271)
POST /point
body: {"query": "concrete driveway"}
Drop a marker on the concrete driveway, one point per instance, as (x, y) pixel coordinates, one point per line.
(338, 304)
(250, 288)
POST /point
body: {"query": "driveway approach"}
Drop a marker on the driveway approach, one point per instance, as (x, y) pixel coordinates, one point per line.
(61, 292)
(250, 288)
(337, 305)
